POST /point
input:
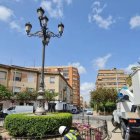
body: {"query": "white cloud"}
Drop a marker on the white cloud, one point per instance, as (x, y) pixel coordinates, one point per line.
(55, 7)
(100, 62)
(68, 1)
(53, 12)
(14, 25)
(135, 22)
(5, 13)
(85, 89)
(128, 68)
(95, 16)
(80, 68)
(7, 16)
(103, 23)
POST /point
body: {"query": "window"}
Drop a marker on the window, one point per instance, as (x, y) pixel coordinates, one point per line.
(75, 78)
(52, 90)
(16, 89)
(11, 108)
(30, 77)
(1, 106)
(52, 79)
(3, 75)
(17, 76)
(30, 89)
(65, 74)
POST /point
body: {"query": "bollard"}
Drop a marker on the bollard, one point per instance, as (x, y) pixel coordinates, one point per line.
(88, 120)
(83, 120)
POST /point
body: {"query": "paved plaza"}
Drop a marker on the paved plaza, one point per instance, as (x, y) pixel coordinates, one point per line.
(116, 135)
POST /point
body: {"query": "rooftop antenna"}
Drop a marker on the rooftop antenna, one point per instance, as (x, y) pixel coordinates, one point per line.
(34, 62)
(24, 64)
(11, 61)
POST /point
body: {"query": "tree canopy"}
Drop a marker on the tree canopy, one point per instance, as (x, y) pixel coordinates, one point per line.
(103, 95)
(26, 95)
(5, 94)
(50, 96)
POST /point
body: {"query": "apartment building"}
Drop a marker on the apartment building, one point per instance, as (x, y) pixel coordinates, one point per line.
(72, 76)
(19, 79)
(55, 82)
(111, 78)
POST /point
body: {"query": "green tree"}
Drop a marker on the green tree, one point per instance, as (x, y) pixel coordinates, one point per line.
(50, 96)
(101, 96)
(26, 96)
(5, 94)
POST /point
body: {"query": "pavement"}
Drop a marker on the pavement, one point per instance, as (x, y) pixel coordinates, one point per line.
(116, 135)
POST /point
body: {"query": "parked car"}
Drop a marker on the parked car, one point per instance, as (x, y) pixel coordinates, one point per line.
(89, 111)
(85, 110)
(17, 109)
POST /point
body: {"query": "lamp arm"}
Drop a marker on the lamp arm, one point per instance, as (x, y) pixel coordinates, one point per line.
(38, 34)
(51, 34)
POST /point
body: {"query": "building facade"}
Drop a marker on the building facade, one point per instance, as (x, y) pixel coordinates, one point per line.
(113, 78)
(18, 79)
(72, 76)
(55, 82)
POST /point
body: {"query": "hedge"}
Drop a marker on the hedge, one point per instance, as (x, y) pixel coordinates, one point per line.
(27, 125)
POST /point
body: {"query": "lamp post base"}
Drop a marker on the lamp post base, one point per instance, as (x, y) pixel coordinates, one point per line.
(40, 111)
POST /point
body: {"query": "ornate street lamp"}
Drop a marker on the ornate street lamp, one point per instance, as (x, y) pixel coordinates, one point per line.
(46, 35)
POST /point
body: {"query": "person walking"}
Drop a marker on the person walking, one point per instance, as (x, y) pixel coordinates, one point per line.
(69, 134)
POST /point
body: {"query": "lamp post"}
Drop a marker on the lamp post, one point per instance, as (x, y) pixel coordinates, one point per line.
(14, 81)
(45, 34)
(116, 80)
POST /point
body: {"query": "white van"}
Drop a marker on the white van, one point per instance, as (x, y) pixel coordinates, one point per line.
(18, 109)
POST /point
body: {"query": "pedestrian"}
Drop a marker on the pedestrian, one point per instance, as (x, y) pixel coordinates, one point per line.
(69, 134)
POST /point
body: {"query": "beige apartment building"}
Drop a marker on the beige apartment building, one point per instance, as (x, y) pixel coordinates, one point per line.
(55, 82)
(18, 79)
(72, 76)
(111, 78)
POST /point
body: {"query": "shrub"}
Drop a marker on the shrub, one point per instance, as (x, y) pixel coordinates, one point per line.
(27, 125)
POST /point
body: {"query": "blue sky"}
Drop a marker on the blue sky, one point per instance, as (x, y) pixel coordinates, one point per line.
(98, 34)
